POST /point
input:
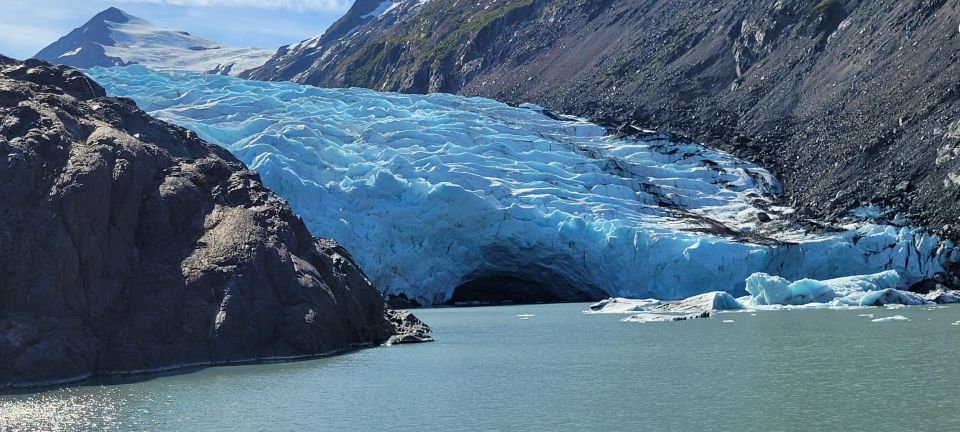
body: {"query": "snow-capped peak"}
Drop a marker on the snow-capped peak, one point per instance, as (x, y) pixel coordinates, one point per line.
(114, 37)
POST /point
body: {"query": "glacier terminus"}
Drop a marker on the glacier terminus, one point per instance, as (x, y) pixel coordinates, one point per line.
(441, 197)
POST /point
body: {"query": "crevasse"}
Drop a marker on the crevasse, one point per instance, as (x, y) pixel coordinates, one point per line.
(432, 192)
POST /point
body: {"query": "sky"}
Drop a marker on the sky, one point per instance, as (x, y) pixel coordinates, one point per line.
(27, 26)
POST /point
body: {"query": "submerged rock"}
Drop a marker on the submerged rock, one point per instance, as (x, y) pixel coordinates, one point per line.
(130, 245)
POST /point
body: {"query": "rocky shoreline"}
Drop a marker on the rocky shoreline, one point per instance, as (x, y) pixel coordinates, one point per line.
(131, 246)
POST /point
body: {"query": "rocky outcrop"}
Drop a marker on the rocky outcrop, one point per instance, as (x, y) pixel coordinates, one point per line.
(129, 245)
(847, 101)
(409, 329)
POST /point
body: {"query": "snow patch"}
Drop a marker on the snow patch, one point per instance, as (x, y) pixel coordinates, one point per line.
(381, 9)
(138, 41)
(71, 52)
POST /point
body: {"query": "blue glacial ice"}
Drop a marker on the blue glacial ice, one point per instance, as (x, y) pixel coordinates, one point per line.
(862, 290)
(431, 192)
(774, 290)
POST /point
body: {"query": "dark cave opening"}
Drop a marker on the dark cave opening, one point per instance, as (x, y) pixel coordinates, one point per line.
(494, 289)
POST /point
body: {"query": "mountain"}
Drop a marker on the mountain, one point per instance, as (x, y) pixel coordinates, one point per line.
(114, 37)
(848, 102)
(130, 245)
(297, 62)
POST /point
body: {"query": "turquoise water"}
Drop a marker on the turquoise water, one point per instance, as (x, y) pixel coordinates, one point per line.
(563, 370)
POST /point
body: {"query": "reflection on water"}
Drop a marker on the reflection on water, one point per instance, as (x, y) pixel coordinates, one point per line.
(549, 367)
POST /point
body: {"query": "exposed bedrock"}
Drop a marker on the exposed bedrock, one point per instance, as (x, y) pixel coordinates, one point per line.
(129, 245)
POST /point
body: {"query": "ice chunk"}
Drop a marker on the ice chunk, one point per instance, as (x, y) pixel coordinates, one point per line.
(941, 296)
(699, 306)
(891, 296)
(849, 290)
(845, 286)
(775, 290)
(894, 318)
(713, 301)
(618, 305)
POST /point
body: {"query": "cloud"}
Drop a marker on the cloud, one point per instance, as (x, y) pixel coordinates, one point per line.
(20, 40)
(298, 5)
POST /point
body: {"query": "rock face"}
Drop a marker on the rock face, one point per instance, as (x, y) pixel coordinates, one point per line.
(846, 101)
(130, 245)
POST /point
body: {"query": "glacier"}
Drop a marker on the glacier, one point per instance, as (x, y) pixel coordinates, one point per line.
(439, 192)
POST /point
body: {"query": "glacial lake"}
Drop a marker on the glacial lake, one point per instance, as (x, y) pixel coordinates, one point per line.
(563, 370)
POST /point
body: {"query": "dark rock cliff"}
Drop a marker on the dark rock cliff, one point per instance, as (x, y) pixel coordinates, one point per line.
(847, 101)
(127, 245)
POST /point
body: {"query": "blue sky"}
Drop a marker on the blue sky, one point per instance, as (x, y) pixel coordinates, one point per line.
(26, 26)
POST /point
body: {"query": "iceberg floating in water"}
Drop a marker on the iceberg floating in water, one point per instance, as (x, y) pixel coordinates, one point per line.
(894, 318)
(698, 306)
(775, 290)
(712, 301)
(431, 193)
(865, 290)
(619, 305)
(891, 296)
